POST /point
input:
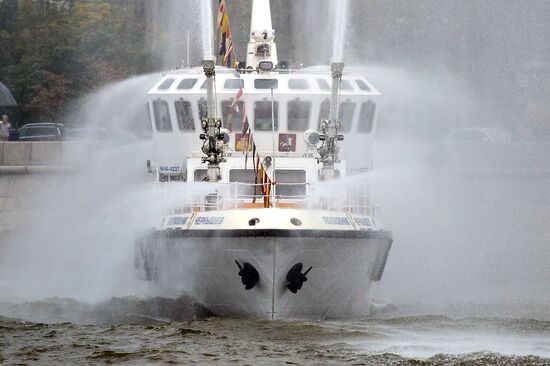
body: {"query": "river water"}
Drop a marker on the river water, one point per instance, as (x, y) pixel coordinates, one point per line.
(163, 331)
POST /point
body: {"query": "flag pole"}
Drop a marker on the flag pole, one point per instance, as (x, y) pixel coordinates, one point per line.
(273, 182)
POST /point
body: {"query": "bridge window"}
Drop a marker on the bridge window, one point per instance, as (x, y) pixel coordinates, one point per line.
(298, 84)
(323, 84)
(234, 84)
(324, 112)
(162, 116)
(248, 177)
(347, 111)
(166, 84)
(346, 85)
(362, 85)
(266, 83)
(149, 126)
(298, 115)
(184, 113)
(200, 175)
(232, 114)
(203, 108)
(290, 183)
(262, 116)
(186, 84)
(366, 117)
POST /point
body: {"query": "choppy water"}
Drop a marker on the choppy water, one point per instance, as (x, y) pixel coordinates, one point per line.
(161, 331)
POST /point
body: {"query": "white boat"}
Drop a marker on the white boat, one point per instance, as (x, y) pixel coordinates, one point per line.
(267, 241)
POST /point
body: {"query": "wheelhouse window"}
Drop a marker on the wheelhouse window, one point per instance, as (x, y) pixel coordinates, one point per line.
(233, 84)
(232, 114)
(362, 85)
(266, 84)
(199, 175)
(263, 117)
(298, 115)
(149, 122)
(187, 84)
(323, 84)
(366, 117)
(298, 84)
(346, 85)
(184, 113)
(347, 111)
(166, 84)
(162, 116)
(324, 112)
(290, 183)
(248, 189)
(203, 108)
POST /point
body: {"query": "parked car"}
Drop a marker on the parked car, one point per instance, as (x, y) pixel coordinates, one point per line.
(41, 132)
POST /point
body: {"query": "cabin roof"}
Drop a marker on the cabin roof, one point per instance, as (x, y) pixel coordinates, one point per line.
(228, 81)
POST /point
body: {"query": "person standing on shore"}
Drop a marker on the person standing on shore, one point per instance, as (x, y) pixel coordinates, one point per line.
(5, 128)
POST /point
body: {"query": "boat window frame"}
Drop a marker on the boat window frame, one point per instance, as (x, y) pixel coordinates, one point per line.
(202, 107)
(275, 83)
(289, 119)
(302, 184)
(323, 109)
(225, 105)
(181, 123)
(365, 126)
(241, 83)
(275, 114)
(195, 80)
(149, 118)
(304, 86)
(364, 86)
(323, 84)
(164, 87)
(196, 172)
(156, 113)
(345, 127)
(345, 85)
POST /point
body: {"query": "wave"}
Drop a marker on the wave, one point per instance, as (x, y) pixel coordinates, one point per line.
(118, 310)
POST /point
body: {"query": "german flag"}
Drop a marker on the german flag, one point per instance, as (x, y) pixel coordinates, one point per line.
(227, 49)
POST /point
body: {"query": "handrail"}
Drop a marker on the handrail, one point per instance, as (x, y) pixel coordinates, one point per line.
(237, 195)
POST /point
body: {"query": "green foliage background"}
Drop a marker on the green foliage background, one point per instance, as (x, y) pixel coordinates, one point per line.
(54, 51)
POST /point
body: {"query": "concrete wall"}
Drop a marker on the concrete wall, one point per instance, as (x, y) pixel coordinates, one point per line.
(25, 167)
(34, 154)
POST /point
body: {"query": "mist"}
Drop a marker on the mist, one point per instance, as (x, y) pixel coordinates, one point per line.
(469, 228)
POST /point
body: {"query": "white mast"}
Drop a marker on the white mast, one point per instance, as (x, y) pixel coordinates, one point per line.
(261, 46)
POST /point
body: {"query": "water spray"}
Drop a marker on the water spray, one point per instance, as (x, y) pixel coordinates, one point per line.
(341, 10)
(207, 26)
(329, 149)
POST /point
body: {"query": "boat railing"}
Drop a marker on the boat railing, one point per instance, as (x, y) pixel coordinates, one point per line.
(238, 195)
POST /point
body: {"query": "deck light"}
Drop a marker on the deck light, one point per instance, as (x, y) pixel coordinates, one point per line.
(311, 137)
(265, 65)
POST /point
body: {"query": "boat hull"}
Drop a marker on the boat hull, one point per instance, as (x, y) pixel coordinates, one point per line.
(203, 263)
